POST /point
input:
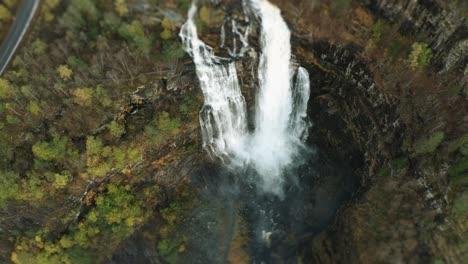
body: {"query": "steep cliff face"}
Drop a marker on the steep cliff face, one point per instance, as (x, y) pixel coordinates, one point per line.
(441, 24)
(397, 118)
(410, 206)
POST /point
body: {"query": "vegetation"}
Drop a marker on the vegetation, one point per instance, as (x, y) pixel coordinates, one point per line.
(67, 124)
(5, 14)
(428, 144)
(420, 56)
(8, 181)
(64, 72)
(55, 150)
(162, 127)
(340, 6)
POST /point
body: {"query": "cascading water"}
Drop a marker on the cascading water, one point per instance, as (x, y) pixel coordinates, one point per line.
(223, 117)
(281, 102)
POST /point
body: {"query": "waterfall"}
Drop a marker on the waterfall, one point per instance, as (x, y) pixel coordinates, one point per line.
(223, 116)
(281, 102)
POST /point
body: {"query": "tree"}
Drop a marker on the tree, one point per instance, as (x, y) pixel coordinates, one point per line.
(39, 47)
(34, 108)
(420, 56)
(64, 72)
(135, 33)
(10, 3)
(121, 7)
(80, 13)
(168, 25)
(8, 186)
(116, 129)
(5, 88)
(61, 180)
(54, 150)
(5, 14)
(83, 96)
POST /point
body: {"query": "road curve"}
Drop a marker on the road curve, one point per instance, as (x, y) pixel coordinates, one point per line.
(17, 32)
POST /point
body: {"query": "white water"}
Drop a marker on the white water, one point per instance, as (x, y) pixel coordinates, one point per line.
(281, 102)
(223, 117)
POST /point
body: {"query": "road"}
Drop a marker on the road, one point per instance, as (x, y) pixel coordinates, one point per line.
(17, 31)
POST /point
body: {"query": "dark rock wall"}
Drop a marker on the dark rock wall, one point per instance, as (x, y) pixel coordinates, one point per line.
(442, 24)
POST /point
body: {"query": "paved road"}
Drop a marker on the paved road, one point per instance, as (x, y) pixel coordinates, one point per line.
(18, 30)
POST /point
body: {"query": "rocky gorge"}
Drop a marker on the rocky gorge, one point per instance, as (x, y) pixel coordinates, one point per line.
(384, 180)
(382, 126)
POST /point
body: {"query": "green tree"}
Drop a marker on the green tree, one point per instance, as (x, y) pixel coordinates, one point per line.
(5, 88)
(166, 124)
(116, 129)
(61, 180)
(34, 108)
(121, 7)
(5, 14)
(10, 3)
(428, 144)
(83, 96)
(119, 206)
(79, 14)
(39, 47)
(135, 33)
(420, 56)
(8, 186)
(55, 150)
(65, 72)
